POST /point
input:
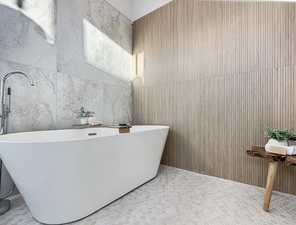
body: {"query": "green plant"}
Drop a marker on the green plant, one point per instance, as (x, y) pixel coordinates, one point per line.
(279, 135)
(84, 114)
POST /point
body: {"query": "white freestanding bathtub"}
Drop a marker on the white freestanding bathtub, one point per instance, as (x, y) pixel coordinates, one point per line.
(66, 175)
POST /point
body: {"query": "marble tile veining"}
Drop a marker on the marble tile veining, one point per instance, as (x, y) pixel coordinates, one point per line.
(32, 108)
(28, 33)
(179, 197)
(81, 27)
(120, 109)
(111, 22)
(74, 93)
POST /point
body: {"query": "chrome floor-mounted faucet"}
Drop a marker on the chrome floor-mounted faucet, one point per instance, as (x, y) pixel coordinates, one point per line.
(5, 110)
(5, 107)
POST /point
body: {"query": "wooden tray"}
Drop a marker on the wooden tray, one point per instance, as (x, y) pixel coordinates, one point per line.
(122, 129)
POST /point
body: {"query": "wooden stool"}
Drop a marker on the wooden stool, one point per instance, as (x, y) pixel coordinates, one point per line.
(274, 160)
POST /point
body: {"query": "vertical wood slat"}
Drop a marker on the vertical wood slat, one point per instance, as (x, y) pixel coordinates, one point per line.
(219, 73)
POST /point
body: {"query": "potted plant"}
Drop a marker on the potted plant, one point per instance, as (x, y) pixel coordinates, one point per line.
(85, 116)
(278, 137)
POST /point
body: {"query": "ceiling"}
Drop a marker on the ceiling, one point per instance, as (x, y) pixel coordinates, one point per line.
(135, 9)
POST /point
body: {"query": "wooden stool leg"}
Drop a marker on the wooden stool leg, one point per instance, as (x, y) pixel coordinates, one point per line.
(272, 169)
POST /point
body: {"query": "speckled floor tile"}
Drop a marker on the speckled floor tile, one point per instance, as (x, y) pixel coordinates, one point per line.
(178, 197)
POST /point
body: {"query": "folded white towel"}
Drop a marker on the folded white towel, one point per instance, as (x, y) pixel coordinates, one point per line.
(272, 144)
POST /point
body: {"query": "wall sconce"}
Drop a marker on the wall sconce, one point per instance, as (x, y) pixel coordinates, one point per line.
(139, 64)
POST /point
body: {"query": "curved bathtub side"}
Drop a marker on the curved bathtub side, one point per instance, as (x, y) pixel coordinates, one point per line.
(66, 181)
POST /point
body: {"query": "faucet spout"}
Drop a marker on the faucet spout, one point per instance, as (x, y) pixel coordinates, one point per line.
(27, 76)
(4, 108)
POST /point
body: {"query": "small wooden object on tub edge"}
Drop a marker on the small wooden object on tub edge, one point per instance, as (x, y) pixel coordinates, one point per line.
(122, 129)
(125, 129)
(83, 126)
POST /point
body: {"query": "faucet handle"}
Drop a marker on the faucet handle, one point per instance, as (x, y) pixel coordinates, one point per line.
(9, 99)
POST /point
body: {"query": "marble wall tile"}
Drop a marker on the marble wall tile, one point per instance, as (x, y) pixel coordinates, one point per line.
(55, 100)
(32, 108)
(107, 39)
(117, 104)
(111, 104)
(69, 37)
(111, 22)
(24, 41)
(73, 42)
(61, 69)
(74, 93)
(102, 52)
(42, 13)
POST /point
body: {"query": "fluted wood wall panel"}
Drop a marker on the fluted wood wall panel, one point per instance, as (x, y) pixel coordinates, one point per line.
(218, 73)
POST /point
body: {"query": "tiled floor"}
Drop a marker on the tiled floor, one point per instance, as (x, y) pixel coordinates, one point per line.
(178, 197)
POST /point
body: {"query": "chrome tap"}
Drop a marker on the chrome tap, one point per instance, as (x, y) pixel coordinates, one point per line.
(5, 108)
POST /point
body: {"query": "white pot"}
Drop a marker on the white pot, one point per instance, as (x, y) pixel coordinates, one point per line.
(83, 120)
(91, 120)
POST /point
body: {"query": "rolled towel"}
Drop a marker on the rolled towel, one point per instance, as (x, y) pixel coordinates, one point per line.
(291, 150)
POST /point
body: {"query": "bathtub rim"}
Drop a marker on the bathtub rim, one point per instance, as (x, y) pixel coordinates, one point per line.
(82, 138)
